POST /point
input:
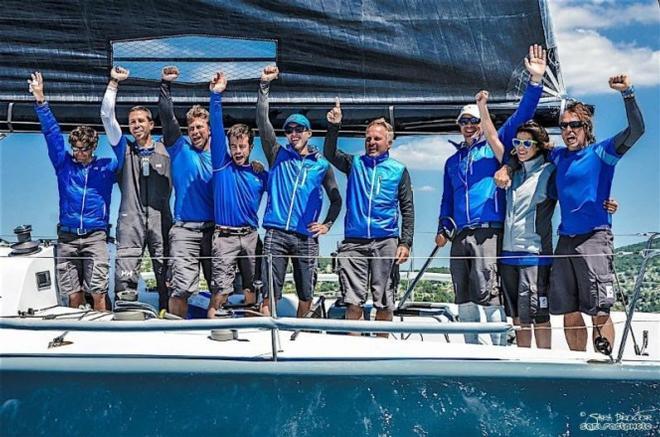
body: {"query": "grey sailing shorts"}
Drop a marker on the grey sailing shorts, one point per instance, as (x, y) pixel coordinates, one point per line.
(582, 279)
(526, 292)
(190, 246)
(473, 266)
(226, 252)
(82, 262)
(368, 265)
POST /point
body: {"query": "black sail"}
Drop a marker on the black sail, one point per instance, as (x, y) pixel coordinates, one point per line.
(414, 62)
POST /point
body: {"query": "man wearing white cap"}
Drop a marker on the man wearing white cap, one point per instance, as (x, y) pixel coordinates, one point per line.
(476, 206)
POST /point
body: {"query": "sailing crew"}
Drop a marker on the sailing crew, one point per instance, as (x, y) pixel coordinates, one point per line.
(582, 278)
(145, 182)
(237, 190)
(472, 201)
(297, 172)
(192, 231)
(84, 182)
(378, 187)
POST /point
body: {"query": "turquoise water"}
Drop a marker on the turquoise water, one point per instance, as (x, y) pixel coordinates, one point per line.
(166, 404)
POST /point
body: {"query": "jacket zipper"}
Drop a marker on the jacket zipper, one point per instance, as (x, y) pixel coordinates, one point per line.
(82, 207)
(293, 195)
(371, 192)
(467, 188)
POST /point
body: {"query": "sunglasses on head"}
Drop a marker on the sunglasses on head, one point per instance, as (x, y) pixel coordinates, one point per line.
(471, 120)
(572, 124)
(525, 143)
(81, 149)
(297, 129)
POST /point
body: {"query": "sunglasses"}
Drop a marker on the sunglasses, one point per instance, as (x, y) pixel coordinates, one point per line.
(466, 121)
(525, 143)
(572, 124)
(81, 149)
(297, 129)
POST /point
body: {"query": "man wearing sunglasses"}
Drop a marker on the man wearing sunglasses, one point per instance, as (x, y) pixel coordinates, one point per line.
(297, 172)
(378, 186)
(145, 182)
(476, 205)
(582, 278)
(192, 170)
(85, 188)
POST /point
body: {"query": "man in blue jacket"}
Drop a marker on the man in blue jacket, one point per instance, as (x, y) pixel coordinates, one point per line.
(85, 184)
(378, 186)
(476, 206)
(297, 172)
(190, 236)
(237, 190)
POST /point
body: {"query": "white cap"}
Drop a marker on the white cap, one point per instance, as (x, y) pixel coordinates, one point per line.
(472, 110)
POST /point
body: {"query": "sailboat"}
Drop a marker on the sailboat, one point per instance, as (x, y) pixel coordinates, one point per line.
(129, 372)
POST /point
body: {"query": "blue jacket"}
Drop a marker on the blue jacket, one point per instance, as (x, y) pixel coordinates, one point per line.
(470, 195)
(237, 189)
(191, 177)
(84, 190)
(295, 194)
(372, 197)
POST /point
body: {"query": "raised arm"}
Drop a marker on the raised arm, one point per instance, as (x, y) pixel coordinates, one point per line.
(49, 126)
(266, 131)
(219, 154)
(171, 128)
(336, 157)
(625, 139)
(108, 116)
(407, 207)
(535, 63)
(488, 127)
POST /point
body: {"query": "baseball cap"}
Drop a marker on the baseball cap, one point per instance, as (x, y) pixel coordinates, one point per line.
(298, 119)
(471, 110)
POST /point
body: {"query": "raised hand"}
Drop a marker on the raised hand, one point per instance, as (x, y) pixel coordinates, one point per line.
(119, 73)
(334, 115)
(620, 82)
(218, 82)
(270, 73)
(535, 62)
(170, 73)
(482, 97)
(36, 86)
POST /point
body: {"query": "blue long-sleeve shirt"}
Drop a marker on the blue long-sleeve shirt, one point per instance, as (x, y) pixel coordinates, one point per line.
(470, 195)
(237, 189)
(85, 190)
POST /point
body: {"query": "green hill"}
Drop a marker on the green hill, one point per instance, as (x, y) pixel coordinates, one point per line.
(627, 261)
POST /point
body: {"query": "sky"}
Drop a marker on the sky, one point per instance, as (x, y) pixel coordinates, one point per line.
(596, 39)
